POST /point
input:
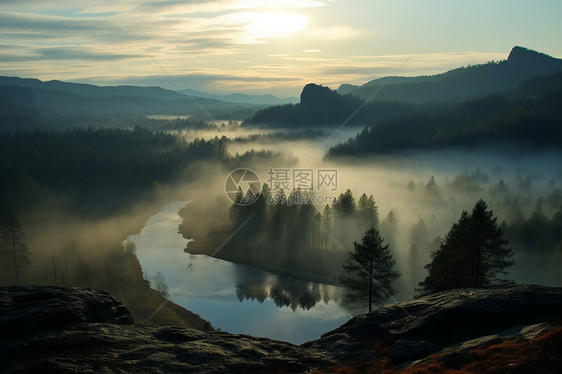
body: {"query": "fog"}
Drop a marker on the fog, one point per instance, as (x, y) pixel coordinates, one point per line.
(425, 191)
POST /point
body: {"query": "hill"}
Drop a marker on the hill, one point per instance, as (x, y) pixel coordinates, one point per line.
(241, 98)
(14, 116)
(528, 116)
(462, 83)
(322, 107)
(56, 97)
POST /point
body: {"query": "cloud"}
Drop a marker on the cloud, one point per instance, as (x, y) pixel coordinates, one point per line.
(183, 7)
(58, 53)
(208, 81)
(336, 32)
(215, 45)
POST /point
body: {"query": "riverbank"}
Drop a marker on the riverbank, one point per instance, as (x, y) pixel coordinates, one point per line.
(259, 302)
(271, 268)
(313, 265)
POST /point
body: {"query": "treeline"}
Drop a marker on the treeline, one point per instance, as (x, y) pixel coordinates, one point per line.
(462, 83)
(529, 213)
(76, 194)
(286, 233)
(94, 169)
(281, 136)
(537, 241)
(17, 117)
(322, 107)
(529, 115)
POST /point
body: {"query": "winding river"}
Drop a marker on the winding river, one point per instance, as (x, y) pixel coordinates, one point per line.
(233, 297)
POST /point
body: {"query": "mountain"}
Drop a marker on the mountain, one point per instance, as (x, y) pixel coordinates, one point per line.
(528, 117)
(393, 97)
(515, 329)
(462, 83)
(322, 107)
(56, 97)
(242, 98)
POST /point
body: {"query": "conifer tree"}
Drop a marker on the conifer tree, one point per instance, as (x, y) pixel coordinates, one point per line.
(474, 253)
(369, 272)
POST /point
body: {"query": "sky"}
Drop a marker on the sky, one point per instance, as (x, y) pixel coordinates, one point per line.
(264, 46)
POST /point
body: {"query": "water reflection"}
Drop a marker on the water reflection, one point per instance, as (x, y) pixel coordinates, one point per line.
(233, 297)
(287, 292)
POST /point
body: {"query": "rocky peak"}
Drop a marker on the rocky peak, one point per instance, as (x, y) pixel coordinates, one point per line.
(532, 60)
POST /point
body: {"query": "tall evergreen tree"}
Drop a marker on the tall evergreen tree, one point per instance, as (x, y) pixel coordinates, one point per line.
(474, 253)
(369, 272)
(14, 257)
(345, 224)
(368, 212)
(372, 212)
(362, 210)
(345, 205)
(328, 226)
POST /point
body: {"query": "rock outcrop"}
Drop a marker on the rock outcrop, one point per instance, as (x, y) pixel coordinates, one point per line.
(452, 325)
(73, 330)
(49, 329)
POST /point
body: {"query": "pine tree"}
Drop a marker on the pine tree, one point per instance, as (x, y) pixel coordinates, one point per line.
(474, 253)
(368, 212)
(362, 210)
(345, 224)
(372, 212)
(14, 255)
(328, 226)
(369, 272)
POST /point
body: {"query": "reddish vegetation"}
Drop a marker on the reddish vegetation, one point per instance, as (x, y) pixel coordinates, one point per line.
(540, 355)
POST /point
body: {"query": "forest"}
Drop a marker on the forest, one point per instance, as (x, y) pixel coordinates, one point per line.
(93, 170)
(526, 118)
(462, 83)
(75, 184)
(309, 241)
(68, 198)
(320, 106)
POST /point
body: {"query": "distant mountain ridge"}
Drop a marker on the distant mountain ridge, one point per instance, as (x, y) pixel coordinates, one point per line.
(322, 107)
(56, 97)
(459, 84)
(394, 97)
(525, 118)
(241, 98)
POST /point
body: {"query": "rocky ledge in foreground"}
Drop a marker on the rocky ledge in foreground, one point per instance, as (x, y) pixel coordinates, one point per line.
(69, 330)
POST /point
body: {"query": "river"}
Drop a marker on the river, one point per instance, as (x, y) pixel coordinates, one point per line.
(233, 297)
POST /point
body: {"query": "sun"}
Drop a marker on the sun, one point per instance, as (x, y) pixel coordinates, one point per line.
(275, 24)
